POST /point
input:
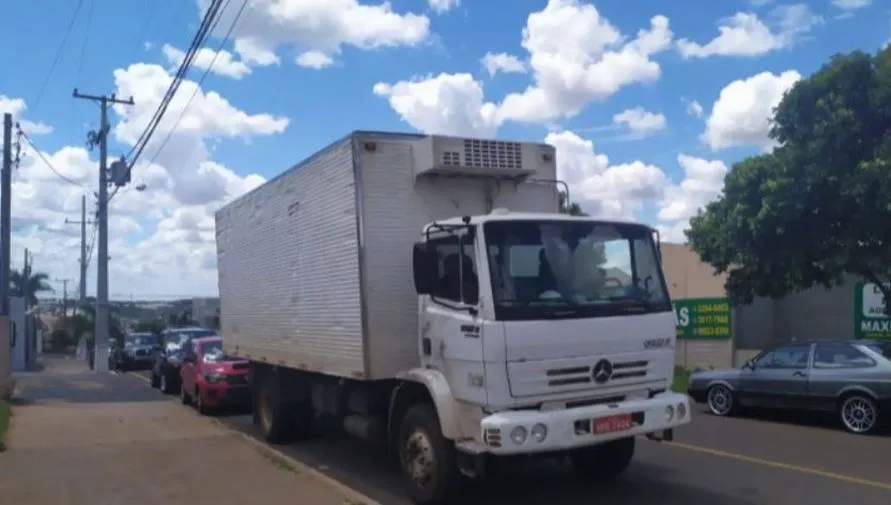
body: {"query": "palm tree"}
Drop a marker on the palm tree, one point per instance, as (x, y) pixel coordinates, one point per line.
(29, 285)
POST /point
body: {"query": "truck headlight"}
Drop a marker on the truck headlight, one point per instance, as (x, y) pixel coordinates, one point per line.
(681, 411)
(518, 435)
(669, 413)
(539, 432)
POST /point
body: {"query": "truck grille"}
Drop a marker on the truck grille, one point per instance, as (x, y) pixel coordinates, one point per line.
(584, 374)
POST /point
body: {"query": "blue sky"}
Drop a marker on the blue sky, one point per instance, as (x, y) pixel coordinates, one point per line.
(323, 104)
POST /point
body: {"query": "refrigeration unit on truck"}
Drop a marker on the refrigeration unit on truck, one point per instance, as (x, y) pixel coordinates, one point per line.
(424, 292)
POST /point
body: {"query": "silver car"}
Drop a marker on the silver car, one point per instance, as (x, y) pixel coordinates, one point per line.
(851, 379)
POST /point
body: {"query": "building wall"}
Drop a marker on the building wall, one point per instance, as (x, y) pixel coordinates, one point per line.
(814, 314)
(688, 277)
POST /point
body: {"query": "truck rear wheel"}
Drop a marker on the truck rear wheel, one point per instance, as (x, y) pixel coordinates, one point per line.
(603, 462)
(426, 457)
(278, 420)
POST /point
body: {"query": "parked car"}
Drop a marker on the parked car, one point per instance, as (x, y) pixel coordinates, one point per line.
(851, 379)
(138, 351)
(210, 379)
(169, 353)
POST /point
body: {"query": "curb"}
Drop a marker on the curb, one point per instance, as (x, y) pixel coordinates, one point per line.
(353, 496)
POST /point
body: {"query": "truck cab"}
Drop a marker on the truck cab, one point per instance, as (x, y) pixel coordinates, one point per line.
(552, 333)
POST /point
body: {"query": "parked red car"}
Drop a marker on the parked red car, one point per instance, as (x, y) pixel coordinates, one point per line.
(210, 379)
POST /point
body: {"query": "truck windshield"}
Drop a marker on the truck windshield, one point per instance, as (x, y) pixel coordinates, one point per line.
(573, 269)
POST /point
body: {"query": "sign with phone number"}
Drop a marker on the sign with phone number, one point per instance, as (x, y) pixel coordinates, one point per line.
(703, 319)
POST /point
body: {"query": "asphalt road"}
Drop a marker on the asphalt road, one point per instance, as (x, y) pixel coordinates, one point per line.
(741, 461)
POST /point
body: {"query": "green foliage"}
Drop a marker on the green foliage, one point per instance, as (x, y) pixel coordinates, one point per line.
(567, 207)
(154, 327)
(5, 415)
(60, 340)
(87, 323)
(819, 206)
(29, 285)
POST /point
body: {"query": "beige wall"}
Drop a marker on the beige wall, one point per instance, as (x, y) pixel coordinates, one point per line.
(688, 277)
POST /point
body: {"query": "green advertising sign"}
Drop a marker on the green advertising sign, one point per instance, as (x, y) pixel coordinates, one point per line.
(702, 318)
(870, 320)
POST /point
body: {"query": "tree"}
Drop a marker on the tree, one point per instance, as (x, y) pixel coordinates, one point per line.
(567, 207)
(817, 207)
(28, 286)
(115, 328)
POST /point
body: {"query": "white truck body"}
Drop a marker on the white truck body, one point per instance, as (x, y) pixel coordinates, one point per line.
(333, 278)
(329, 244)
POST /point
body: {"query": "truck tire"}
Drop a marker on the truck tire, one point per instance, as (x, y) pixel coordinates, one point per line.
(603, 462)
(279, 421)
(426, 457)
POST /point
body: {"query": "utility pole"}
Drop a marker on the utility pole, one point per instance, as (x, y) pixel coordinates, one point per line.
(64, 297)
(26, 275)
(100, 333)
(5, 253)
(5, 215)
(83, 248)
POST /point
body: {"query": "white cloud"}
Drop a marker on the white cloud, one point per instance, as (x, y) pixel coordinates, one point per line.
(741, 114)
(319, 28)
(17, 107)
(604, 190)
(504, 63)
(744, 34)
(576, 56)
(703, 182)
(161, 240)
(220, 63)
(443, 6)
(694, 108)
(851, 4)
(450, 104)
(640, 122)
(314, 59)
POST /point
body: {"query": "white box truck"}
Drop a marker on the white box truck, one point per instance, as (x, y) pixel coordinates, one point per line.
(424, 292)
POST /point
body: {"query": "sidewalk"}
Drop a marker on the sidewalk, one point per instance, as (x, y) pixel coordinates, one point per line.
(79, 438)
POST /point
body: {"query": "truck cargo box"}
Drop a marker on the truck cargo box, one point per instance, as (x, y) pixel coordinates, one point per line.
(315, 265)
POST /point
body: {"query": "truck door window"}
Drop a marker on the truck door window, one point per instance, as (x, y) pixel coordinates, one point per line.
(458, 281)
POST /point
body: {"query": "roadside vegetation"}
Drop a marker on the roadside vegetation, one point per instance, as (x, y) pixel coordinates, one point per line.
(681, 380)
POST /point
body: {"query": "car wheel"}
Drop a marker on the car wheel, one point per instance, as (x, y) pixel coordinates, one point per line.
(199, 402)
(165, 387)
(859, 414)
(155, 382)
(185, 397)
(720, 400)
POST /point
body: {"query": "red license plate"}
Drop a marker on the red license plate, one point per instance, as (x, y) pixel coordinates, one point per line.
(612, 424)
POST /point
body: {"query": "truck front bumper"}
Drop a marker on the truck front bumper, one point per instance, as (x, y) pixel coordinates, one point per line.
(520, 431)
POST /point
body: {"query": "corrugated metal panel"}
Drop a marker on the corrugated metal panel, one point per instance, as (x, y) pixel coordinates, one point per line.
(288, 268)
(396, 208)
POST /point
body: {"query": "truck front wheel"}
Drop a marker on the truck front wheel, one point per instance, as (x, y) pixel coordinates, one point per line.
(603, 462)
(427, 458)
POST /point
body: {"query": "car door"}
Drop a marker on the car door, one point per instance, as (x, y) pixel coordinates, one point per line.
(189, 366)
(836, 366)
(778, 378)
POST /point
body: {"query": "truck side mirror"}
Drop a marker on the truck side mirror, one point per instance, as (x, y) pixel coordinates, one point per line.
(424, 268)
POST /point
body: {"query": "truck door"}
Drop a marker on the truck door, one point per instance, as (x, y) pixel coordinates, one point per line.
(451, 333)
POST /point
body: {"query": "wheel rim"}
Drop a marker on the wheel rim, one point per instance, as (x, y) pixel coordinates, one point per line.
(198, 402)
(418, 459)
(858, 414)
(720, 401)
(163, 383)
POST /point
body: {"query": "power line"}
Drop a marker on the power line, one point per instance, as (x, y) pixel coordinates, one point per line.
(83, 47)
(204, 75)
(197, 43)
(58, 55)
(45, 160)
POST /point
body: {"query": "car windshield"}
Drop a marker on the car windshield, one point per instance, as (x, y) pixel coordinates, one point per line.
(883, 348)
(139, 340)
(213, 351)
(586, 268)
(177, 338)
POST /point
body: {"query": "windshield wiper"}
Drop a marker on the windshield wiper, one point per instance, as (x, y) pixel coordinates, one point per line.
(631, 300)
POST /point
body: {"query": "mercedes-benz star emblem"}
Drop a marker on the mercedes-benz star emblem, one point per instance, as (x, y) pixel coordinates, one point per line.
(602, 372)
